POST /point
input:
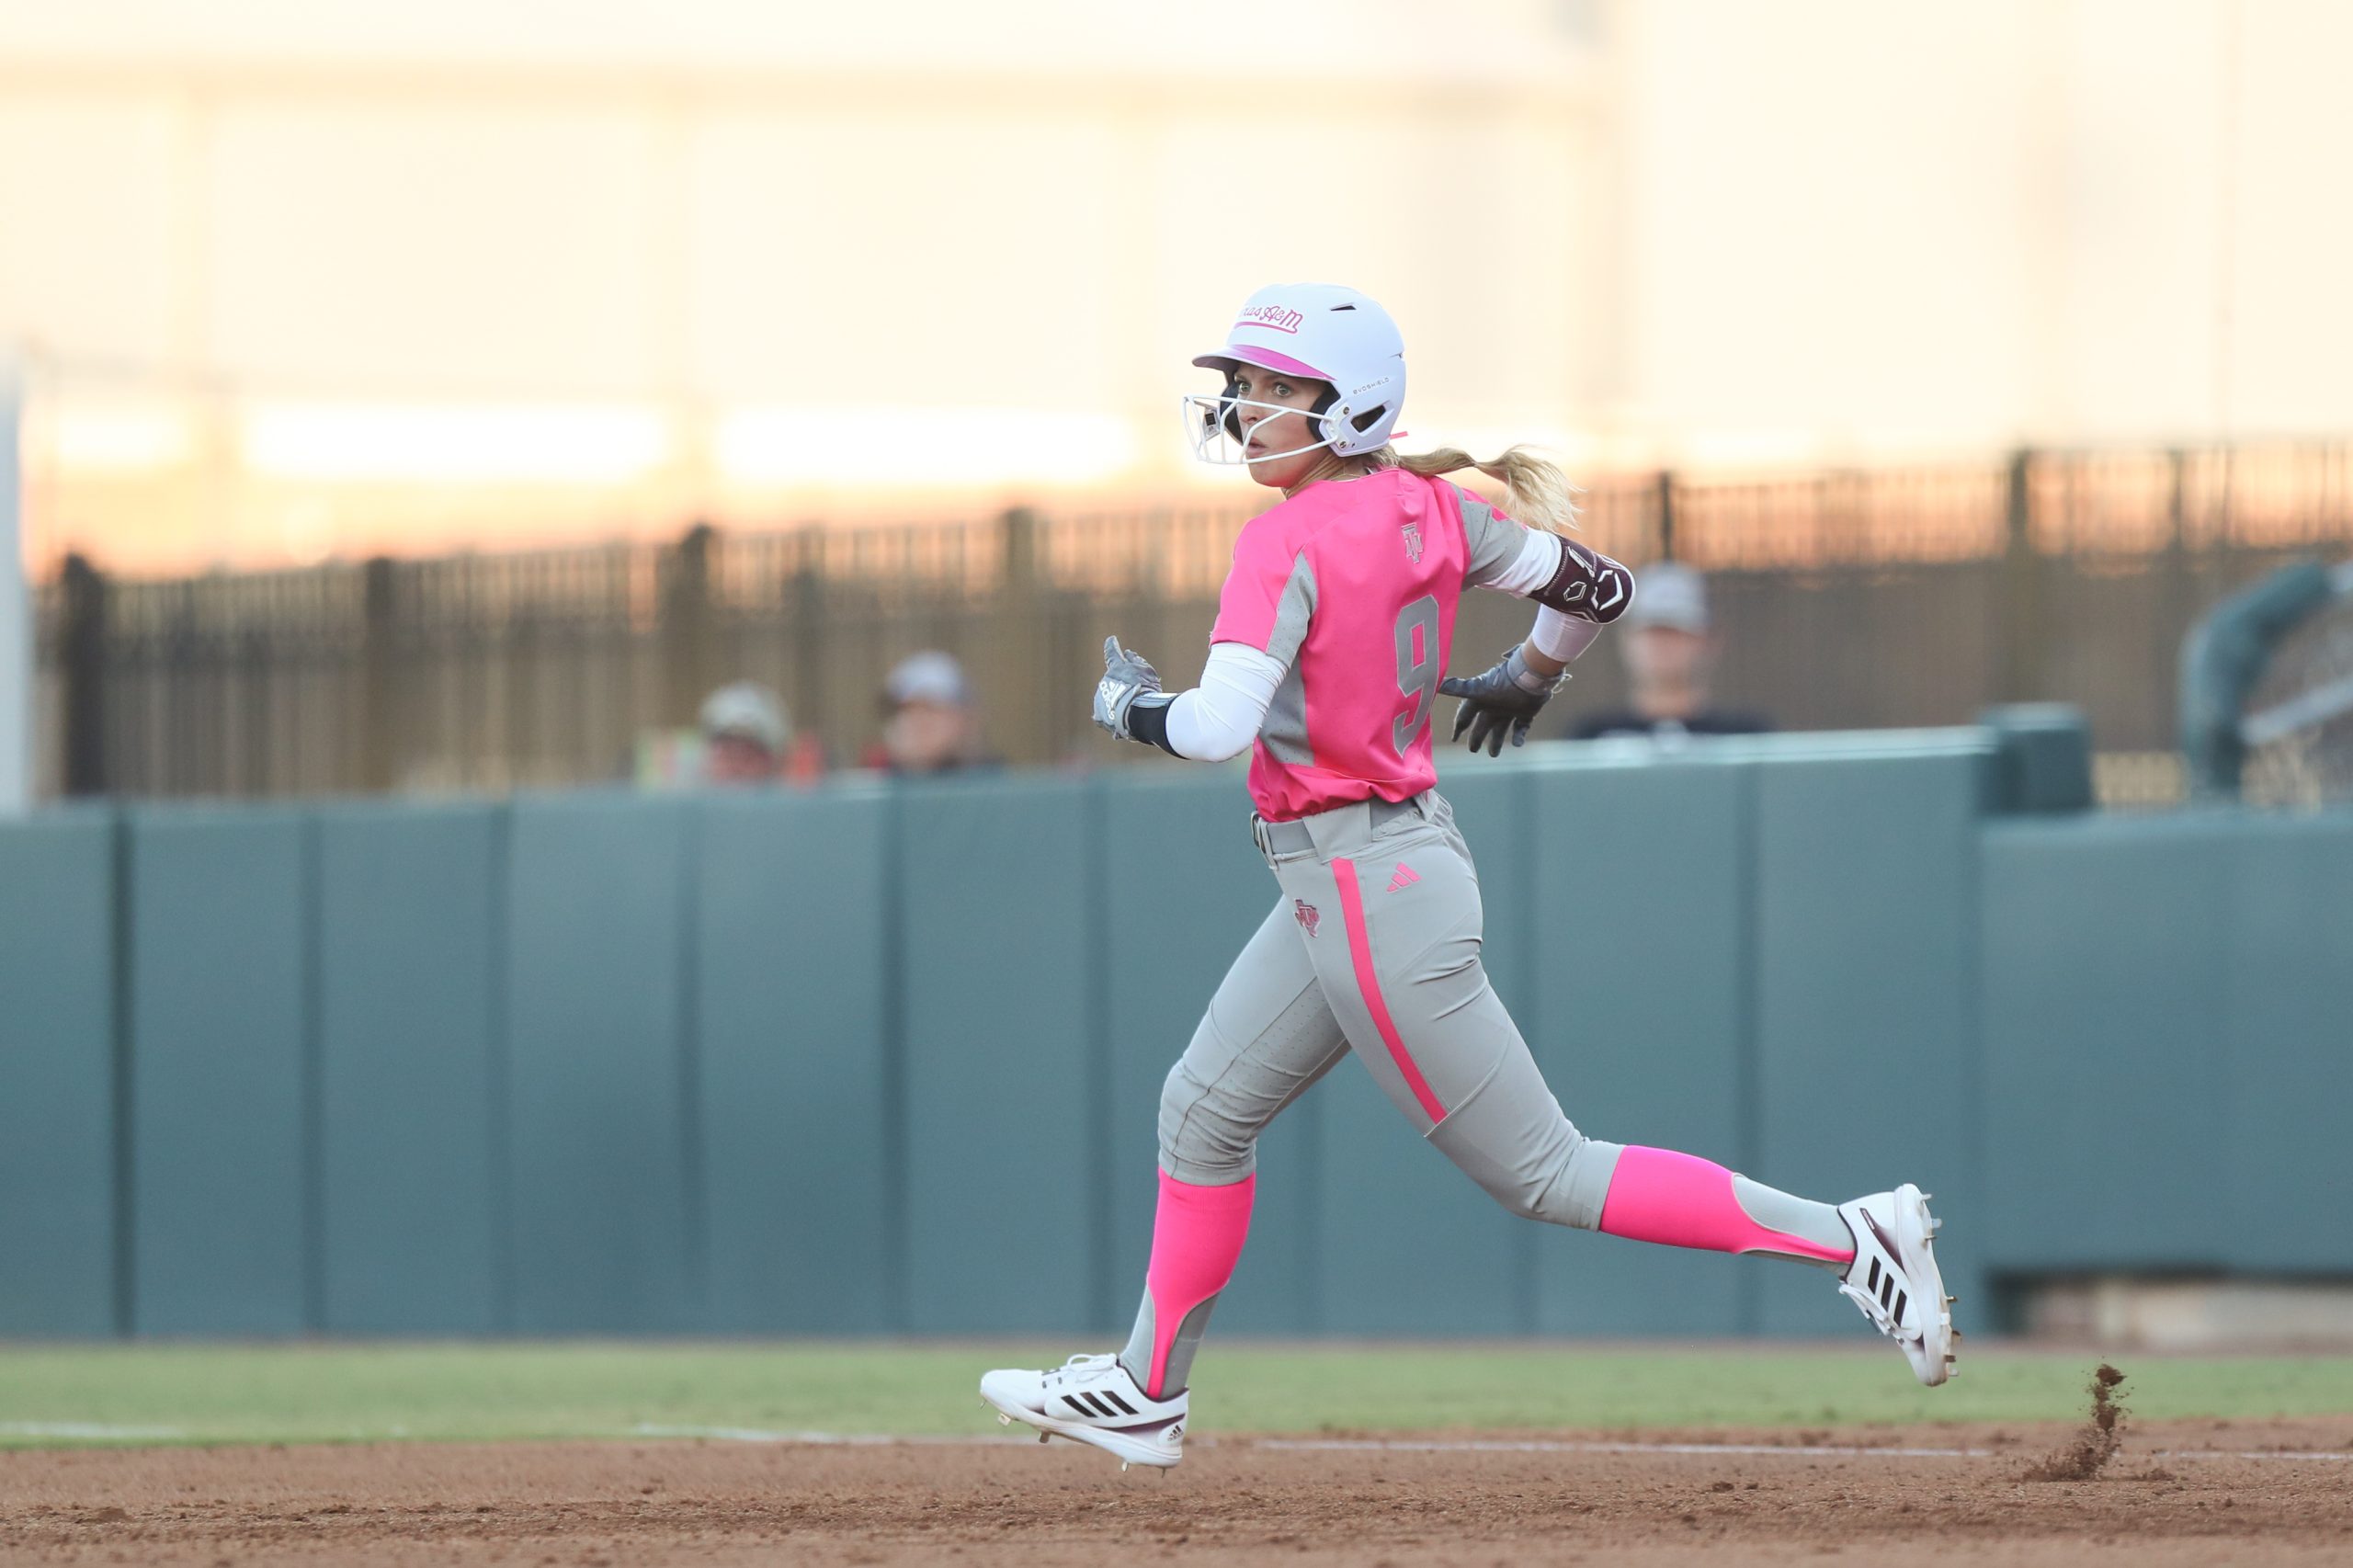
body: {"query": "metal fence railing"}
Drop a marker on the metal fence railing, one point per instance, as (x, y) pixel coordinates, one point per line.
(1852, 598)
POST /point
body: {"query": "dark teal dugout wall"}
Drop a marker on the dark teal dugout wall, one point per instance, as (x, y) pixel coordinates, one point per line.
(878, 1060)
(2170, 1044)
(2290, 1062)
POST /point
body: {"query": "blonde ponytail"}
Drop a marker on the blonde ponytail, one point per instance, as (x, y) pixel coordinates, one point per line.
(1536, 492)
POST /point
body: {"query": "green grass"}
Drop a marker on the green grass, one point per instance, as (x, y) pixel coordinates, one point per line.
(345, 1392)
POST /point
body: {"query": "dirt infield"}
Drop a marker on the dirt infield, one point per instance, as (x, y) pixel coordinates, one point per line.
(2178, 1493)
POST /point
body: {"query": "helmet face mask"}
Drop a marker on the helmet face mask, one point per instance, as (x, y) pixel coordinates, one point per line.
(1213, 425)
(1319, 331)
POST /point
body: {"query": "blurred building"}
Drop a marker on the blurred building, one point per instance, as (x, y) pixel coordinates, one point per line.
(335, 279)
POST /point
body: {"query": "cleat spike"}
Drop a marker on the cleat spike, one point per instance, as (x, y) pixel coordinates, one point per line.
(1123, 1467)
(1004, 1420)
(1043, 1436)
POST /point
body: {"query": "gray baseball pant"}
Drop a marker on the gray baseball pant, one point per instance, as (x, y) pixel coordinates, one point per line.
(1373, 947)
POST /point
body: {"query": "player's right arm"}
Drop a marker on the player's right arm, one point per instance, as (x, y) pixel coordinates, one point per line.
(1214, 721)
(1263, 611)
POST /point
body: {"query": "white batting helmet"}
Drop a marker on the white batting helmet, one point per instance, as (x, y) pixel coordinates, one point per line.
(1321, 331)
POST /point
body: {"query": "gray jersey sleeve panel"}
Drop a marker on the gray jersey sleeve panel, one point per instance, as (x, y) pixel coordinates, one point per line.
(1494, 541)
(1285, 729)
(1293, 610)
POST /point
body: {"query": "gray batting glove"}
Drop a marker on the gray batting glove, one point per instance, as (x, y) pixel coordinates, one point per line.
(1504, 697)
(1126, 676)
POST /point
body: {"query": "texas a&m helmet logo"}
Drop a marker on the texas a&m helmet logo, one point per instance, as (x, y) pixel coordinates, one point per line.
(1274, 318)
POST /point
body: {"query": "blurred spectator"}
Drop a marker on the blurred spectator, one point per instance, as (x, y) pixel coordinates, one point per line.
(1670, 651)
(743, 736)
(932, 726)
(745, 733)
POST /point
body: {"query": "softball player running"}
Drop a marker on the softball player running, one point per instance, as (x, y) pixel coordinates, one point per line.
(1334, 629)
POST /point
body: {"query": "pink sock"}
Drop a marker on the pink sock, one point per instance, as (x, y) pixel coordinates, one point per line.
(1657, 1195)
(1197, 1238)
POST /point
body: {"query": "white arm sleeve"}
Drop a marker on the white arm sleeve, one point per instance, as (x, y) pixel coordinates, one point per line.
(1561, 637)
(1539, 558)
(1220, 717)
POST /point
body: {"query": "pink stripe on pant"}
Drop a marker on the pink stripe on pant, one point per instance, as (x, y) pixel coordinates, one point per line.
(1343, 872)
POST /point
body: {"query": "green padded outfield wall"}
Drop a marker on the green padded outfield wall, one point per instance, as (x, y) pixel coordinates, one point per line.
(790, 1014)
(224, 1190)
(57, 1078)
(411, 1069)
(1866, 986)
(605, 1234)
(881, 1058)
(1642, 886)
(1008, 1118)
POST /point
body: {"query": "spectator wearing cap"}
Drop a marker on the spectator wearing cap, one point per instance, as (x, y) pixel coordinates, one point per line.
(745, 733)
(1670, 653)
(931, 723)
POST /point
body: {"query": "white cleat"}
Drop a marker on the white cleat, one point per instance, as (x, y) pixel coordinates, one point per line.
(1893, 1277)
(1091, 1399)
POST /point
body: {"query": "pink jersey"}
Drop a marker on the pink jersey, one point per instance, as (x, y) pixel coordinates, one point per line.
(1353, 583)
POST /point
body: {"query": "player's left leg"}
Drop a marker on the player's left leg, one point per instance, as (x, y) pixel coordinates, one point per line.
(1266, 1039)
(1266, 1036)
(1408, 987)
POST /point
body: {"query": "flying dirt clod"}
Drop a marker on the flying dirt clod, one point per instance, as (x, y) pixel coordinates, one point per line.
(2094, 1442)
